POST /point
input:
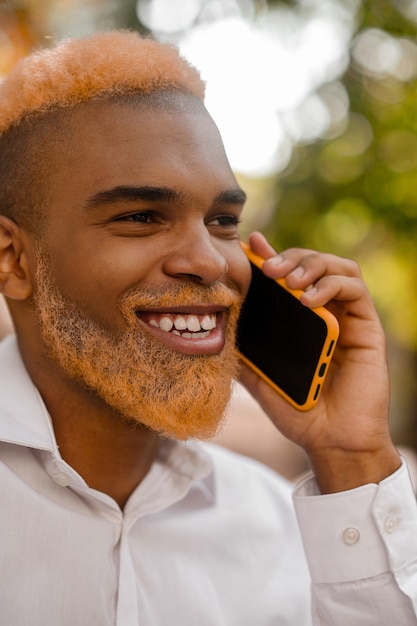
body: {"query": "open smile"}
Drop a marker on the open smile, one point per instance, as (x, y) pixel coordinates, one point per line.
(190, 332)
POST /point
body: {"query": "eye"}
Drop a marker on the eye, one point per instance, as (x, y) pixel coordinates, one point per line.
(144, 217)
(226, 220)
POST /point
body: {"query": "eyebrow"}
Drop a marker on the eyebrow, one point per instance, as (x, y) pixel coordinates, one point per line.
(150, 193)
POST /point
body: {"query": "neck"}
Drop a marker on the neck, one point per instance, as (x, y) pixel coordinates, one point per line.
(110, 453)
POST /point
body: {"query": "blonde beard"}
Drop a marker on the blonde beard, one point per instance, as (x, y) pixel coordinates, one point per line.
(178, 395)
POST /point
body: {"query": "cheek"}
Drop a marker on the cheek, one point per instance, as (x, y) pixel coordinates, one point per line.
(91, 282)
(98, 264)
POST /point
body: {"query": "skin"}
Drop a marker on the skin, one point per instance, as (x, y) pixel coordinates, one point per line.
(101, 249)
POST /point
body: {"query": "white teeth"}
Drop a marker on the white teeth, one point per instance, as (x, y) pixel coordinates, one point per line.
(196, 335)
(180, 323)
(208, 322)
(176, 323)
(193, 323)
(166, 324)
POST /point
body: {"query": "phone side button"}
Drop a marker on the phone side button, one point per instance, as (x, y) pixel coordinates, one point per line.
(322, 369)
(330, 348)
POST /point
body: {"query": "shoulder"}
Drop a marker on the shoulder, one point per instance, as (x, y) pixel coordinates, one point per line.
(240, 465)
(244, 482)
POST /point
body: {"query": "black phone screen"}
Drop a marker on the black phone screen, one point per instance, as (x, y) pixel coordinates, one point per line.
(280, 336)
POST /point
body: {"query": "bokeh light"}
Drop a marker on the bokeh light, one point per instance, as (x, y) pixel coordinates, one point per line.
(271, 69)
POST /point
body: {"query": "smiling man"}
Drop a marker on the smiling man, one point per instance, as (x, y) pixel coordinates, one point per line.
(121, 264)
(147, 223)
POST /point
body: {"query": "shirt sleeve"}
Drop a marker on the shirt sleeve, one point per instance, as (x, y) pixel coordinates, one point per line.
(361, 548)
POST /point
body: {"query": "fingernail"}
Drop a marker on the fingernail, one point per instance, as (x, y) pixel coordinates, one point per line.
(298, 272)
(275, 260)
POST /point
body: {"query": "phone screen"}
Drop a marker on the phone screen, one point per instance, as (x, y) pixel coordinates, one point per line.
(282, 337)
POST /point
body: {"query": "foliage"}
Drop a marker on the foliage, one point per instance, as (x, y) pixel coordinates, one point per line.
(355, 194)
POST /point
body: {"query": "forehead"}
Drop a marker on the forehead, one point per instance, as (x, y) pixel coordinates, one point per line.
(152, 142)
(149, 129)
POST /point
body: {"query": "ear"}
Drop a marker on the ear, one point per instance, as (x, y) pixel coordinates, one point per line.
(15, 282)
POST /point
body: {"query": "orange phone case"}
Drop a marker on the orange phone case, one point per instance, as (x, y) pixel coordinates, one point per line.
(326, 352)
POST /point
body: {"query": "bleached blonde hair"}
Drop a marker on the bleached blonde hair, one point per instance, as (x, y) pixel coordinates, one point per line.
(79, 70)
(113, 66)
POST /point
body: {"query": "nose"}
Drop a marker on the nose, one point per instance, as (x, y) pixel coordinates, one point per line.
(195, 256)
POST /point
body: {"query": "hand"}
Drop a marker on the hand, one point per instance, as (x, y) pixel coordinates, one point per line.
(346, 435)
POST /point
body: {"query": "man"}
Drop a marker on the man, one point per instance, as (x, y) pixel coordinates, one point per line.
(122, 268)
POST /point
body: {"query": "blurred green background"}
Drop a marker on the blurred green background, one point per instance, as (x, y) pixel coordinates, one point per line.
(324, 93)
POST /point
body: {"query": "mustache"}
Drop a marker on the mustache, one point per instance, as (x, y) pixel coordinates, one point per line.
(181, 294)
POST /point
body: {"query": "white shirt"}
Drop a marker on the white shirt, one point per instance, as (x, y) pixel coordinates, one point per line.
(207, 539)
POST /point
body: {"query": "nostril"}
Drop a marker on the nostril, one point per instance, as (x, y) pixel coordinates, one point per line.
(194, 278)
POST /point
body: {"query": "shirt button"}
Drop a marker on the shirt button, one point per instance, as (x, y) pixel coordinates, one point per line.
(391, 524)
(351, 536)
(61, 479)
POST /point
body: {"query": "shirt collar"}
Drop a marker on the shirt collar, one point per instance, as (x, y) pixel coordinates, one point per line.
(24, 418)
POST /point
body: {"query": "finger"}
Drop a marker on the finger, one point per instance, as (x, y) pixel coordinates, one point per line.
(261, 246)
(351, 295)
(302, 268)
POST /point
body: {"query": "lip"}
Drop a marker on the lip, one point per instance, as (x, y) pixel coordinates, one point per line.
(213, 344)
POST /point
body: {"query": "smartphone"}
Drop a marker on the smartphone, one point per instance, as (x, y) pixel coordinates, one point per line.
(286, 343)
